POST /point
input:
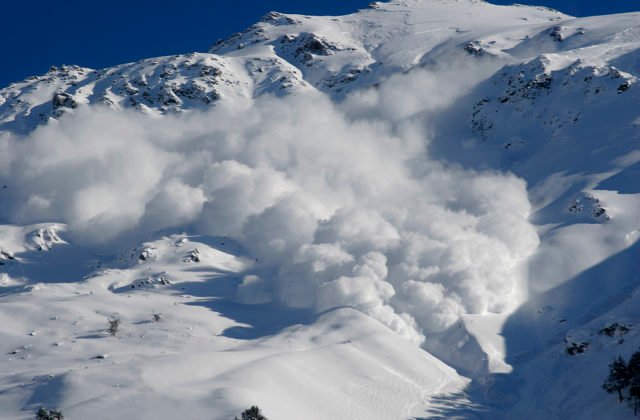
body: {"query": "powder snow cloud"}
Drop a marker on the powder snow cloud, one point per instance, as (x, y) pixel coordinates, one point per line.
(341, 208)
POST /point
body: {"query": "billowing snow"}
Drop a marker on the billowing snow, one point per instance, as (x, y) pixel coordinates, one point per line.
(428, 208)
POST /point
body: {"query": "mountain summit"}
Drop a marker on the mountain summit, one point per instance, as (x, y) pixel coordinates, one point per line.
(426, 208)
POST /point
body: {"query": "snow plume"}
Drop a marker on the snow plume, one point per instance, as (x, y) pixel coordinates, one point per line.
(339, 211)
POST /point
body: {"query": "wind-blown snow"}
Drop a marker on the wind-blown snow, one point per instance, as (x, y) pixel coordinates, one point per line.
(461, 173)
(339, 212)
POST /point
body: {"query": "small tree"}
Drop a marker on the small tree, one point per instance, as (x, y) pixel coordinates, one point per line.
(634, 394)
(252, 413)
(46, 414)
(114, 325)
(618, 378)
(157, 317)
(633, 369)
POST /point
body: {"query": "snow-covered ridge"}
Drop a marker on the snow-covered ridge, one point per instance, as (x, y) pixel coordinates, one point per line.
(154, 86)
(279, 55)
(462, 174)
(285, 53)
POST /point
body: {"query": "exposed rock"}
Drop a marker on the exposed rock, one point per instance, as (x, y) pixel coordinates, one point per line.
(615, 330)
(474, 48)
(63, 100)
(624, 87)
(556, 33)
(148, 253)
(306, 46)
(45, 238)
(162, 279)
(193, 256)
(574, 349)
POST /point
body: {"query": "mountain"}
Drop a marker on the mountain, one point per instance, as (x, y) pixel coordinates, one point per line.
(282, 54)
(424, 209)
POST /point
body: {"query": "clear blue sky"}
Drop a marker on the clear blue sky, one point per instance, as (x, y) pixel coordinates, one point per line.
(35, 34)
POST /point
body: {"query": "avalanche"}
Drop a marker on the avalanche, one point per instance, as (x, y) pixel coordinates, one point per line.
(427, 208)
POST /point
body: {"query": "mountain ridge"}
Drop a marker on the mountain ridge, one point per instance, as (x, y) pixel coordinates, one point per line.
(447, 171)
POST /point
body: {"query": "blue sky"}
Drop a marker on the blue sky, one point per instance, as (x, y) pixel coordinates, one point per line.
(37, 34)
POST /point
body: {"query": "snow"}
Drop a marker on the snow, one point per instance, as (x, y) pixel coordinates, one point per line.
(204, 353)
(416, 210)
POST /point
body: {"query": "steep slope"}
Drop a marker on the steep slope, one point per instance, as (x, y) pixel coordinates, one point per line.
(566, 121)
(182, 346)
(375, 213)
(281, 54)
(154, 86)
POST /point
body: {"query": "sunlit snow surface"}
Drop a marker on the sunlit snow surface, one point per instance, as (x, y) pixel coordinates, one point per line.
(327, 216)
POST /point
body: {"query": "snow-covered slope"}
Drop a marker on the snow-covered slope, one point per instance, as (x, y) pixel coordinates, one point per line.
(282, 54)
(155, 86)
(183, 347)
(453, 172)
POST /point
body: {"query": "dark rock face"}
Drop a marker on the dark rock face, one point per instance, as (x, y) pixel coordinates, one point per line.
(305, 46)
(624, 87)
(574, 349)
(530, 90)
(556, 33)
(474, 48)
(278, 19)
(63, 100)
(615, 330)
